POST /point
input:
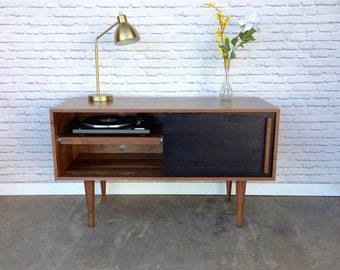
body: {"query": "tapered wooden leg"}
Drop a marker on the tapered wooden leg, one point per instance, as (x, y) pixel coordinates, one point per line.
(229, 184)
(89, 191)
(240, 194)
(103, 188)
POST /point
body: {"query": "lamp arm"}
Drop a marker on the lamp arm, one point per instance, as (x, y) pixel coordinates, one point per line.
(96, 56)
(107, 30)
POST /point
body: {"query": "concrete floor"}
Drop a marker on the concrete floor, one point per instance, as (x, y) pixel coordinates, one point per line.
(169, 232)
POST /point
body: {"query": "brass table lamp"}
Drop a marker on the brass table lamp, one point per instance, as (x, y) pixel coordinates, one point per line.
(125, 34)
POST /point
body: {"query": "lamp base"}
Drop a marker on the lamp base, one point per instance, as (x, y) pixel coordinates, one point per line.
(100, 98)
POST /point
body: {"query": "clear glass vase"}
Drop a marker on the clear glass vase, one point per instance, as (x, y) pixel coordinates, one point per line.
(226, 92)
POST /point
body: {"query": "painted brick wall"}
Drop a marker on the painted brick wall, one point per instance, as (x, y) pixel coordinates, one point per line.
(47, 56)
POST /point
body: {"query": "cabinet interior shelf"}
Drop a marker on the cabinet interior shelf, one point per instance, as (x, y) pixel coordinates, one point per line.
(115, 166)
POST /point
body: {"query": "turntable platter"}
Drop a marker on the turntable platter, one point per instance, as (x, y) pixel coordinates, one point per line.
(108, 121)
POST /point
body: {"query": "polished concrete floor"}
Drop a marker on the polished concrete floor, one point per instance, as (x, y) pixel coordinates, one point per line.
(169, 232)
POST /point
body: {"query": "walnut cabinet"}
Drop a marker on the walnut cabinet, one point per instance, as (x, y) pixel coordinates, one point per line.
(193, 139)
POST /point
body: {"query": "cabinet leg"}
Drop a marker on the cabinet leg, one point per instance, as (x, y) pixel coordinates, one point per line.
(89, 191)
(103, 188)
(229, 184)
(240, 194)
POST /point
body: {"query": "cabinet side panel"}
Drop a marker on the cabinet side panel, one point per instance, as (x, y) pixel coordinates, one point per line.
(275, 142)
(63, 155)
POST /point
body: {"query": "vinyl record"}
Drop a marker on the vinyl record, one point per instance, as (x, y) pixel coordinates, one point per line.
(108, 121)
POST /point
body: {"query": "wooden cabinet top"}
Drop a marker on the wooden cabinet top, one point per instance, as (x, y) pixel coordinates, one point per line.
(165, 104)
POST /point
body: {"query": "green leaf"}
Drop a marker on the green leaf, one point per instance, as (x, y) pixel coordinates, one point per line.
(248, 35)
(234, 41)
(227, 45)
(232, 55)
(251, 31)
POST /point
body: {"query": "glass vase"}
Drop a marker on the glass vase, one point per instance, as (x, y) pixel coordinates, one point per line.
(226, 92)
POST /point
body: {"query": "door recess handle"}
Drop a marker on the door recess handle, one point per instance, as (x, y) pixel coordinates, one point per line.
(269, 123)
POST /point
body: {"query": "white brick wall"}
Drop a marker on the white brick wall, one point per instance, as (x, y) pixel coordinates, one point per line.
(46, 56)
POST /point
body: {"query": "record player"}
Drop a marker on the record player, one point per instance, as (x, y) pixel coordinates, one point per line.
(138, 124)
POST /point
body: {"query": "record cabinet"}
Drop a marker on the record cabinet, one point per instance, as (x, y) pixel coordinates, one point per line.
(190, 139)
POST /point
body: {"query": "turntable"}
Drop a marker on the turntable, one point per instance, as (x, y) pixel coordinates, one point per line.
(139, 124)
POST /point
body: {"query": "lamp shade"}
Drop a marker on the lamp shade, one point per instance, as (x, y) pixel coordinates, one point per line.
(125, 33)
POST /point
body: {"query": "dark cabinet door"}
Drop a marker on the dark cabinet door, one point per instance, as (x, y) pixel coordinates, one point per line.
(218, 144)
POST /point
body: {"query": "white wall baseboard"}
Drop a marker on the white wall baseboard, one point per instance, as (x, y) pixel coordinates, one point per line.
(253, 188)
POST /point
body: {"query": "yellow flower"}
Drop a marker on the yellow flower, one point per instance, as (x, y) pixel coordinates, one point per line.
(224, 23)
(226, 61)
(218, 32)
(210, 4)
(219, 15)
